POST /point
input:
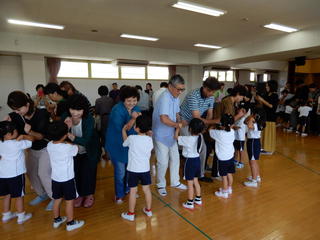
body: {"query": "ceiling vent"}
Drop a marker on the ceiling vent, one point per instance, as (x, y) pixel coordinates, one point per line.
(130, 62)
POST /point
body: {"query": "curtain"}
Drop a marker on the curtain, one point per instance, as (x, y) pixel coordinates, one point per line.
(237, 74)
(53, 68)
(172, 70)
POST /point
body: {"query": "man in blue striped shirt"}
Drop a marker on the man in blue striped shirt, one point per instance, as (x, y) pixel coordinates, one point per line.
(196, 103)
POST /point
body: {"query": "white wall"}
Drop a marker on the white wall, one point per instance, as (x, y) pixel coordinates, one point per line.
(10, 80)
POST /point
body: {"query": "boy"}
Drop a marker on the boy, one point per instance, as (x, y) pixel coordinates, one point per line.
(138, 168)
(63, 184)
(304, 111)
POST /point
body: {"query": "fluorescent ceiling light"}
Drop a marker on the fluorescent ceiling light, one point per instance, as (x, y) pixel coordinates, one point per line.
(138, 37)
(198, 8)
(206, 46)
(279, 27)
(35, 24)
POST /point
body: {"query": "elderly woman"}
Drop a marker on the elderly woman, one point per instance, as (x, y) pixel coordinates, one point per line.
(83, 133)
(270, 103)
(125, 112)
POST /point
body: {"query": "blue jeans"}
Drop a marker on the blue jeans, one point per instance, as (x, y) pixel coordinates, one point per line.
(120, 178)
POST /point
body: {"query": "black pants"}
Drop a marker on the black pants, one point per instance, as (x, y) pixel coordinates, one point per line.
(85, 175)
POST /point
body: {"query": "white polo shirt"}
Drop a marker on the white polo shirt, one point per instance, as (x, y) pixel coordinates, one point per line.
(189, 146)
(12, 162)
(253, 133)
(304, 111)
(61, 159)
(139, 153)
(223, 143)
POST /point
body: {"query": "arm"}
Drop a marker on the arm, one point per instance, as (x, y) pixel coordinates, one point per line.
(176, 133)
(167, 121)
(208, 120)
(87, 132)
(132, 121)
(124, 132)
(264, 102)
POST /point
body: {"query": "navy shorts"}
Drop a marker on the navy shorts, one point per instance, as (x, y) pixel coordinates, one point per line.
(13, 186)
(226, 167)
(134, 178)
(302, 121)
(192, 168)
(238, 145)
(66, 190)
(253, 148)
(286, 117)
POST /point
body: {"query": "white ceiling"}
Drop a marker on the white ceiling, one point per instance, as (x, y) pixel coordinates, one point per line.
(177, 29)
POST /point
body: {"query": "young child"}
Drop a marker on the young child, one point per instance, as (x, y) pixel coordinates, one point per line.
(61, 156)
(286, 118)
(192, 169)
(138, 168)
(224, 138)
(240, 136)
(304, 111)
(12, 170)
(255, 123)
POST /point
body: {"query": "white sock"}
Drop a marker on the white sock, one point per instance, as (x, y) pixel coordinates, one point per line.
(20, 215)
(5, 214)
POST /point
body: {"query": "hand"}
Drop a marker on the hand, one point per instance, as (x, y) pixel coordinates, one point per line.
(20, 137)
(71, 136)
(27, 128)
(126, 127)
(135, 114)
(68, 121)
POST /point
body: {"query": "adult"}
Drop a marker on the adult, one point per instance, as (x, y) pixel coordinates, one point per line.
(157, 93)
(40, 99)
(270, 103)
(123, 113)
(71, 90)
(83, 134)
(114, 93)
(103, 108)
(144, 101)
(58, 96)
(195, 104)
(34, 121)
(220, 94)
(165, 120)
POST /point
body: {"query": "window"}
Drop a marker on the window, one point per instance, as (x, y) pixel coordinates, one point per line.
(206, 75)
(130, 72)
(73, 69)
(266, 77)
(157, 72)
(229, 76)
(221, 75)
(104, 70)
(252, 77)
(214, 74)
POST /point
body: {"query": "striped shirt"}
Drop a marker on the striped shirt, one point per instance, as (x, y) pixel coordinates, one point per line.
(194, 102)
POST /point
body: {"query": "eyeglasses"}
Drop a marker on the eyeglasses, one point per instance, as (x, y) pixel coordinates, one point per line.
(179, 89)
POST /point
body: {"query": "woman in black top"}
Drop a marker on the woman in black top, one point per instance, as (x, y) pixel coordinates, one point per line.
(270, 103)
(33, 121)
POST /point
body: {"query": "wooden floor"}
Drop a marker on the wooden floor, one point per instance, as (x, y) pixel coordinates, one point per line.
(286, 206)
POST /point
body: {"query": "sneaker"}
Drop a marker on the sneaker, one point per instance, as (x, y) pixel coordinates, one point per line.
(197, 201)
(252, 183)
(38, 199)
(235, 162)
(181, 186)
(266, 153)
(127, 216)
(74, 224)
(146, 212)
(221, 194)
(239, 165)
(258, 178)
(188, 205)
(57, 222)
(304, 134)
(289, 130)
(205, 179)
(162, 192)
(229, 190)
(22, 217)
(118, 200)
(49, 207)
(8, 216)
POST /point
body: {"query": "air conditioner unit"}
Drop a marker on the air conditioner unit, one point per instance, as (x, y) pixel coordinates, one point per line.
(130, 62)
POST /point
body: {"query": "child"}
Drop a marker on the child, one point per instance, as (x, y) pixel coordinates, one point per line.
(192, 169)
(63, 184)
(304, 111)
(224, 138)
(255, 124)
(240, 136)
(12, 170)
(286, 118)
(138, 168)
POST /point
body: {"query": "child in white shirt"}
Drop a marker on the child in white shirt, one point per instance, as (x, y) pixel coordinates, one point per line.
(138, 168)
(12, 170)
(304, 111)
(61, 156)
(224, 138)
(192, 168)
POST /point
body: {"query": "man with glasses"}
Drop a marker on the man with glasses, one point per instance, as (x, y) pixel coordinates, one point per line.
(198, 102)
(165, 120)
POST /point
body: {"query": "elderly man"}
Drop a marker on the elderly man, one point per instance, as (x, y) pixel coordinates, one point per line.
(165, 120)
(195, 104)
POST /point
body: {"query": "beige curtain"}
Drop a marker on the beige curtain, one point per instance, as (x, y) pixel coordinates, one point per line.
(53, 67)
